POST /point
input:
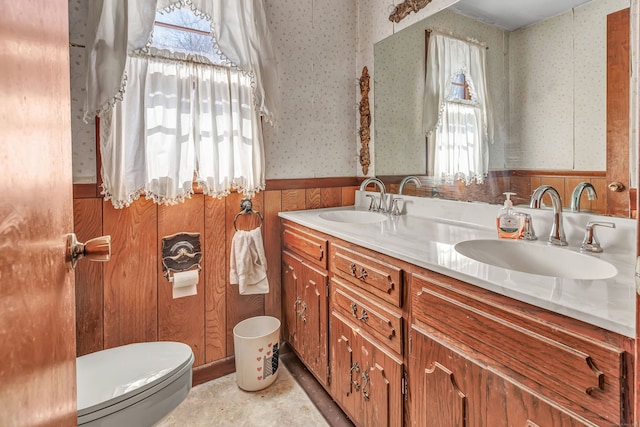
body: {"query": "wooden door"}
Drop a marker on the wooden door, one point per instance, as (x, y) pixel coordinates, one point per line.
(37, 301)
(618, 90)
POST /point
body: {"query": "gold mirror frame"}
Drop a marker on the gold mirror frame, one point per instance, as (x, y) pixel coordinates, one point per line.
(405, 8)
(365, 121)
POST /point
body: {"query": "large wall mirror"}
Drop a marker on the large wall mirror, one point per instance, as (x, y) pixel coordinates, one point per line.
(547, 82)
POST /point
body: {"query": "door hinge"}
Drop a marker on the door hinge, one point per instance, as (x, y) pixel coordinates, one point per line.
(327, 290)
(410, 342)
(328, 374)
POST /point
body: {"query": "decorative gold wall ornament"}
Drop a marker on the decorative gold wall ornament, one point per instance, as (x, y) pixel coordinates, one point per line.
(403, 9)
(365, 121)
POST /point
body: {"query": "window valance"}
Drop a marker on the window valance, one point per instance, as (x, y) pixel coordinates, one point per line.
(121, 27)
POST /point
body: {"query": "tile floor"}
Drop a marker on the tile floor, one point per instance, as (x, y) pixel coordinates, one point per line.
(221, 403)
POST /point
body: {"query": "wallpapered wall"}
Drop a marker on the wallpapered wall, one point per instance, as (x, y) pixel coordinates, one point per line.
(315, 43)
(570, 47)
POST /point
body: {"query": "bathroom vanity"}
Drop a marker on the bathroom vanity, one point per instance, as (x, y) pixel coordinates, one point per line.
(401, 329)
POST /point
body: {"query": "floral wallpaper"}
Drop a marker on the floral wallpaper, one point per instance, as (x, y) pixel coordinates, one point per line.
(82, 134)
(315, 43)
(559, 65)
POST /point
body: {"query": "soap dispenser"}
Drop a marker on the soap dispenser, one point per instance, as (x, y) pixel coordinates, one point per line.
(507, 222)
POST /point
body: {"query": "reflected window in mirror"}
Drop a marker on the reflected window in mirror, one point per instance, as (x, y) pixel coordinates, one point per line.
(459, 88)
(456, 114)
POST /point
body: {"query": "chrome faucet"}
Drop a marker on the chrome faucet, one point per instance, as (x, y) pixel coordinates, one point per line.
(382, 206)
(407, 179)
(577, 192)
(557, 236)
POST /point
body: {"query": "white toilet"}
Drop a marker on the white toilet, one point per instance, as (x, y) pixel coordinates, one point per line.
(132, 385)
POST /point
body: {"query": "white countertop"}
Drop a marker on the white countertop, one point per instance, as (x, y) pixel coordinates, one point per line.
(426, 235)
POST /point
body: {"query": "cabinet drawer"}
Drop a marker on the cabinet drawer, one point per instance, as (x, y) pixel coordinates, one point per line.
(378, 277)
(574, 370)
(383, 323)
(309, 246)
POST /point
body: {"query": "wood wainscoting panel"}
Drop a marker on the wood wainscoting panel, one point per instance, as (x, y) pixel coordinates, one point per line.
(240, 307)
(215, 278)
(137, 304)
(349, 195)
(272, 247)
(182, 319)
(313, 198)
(330, 197)
(130, 277)
(87, 224)
(293, 200)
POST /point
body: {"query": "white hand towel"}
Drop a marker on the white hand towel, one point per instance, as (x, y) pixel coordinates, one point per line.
(248, 263)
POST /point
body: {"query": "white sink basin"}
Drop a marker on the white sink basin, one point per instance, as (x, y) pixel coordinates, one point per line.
(353, 217)
(537, 259)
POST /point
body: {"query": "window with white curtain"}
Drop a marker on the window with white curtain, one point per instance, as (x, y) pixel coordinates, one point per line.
(187, 115)
(456, 116)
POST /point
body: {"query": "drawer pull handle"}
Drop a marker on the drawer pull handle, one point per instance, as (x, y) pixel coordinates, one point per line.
(303, 312)
(354, 272)
(365, 384)
(354, 311)
(354, 367)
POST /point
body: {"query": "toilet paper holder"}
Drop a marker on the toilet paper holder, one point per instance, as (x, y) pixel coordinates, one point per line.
(181, 252)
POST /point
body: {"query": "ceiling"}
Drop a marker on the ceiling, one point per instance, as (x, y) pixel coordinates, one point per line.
(513, 14)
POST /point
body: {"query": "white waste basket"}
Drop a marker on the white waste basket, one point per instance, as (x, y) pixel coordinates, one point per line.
(256, 342)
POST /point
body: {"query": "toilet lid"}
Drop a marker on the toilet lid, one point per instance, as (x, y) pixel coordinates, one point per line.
(110, 376)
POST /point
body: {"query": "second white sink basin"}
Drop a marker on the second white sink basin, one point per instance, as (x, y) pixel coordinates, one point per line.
(536, 259)
(353, 217)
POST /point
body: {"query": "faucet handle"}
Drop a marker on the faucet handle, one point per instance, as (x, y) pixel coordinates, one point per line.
(395, 210)
(528, 233)
(372, 204)
(590, 242)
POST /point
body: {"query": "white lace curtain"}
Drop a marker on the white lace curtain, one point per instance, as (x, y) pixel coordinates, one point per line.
(458, 130)
(179, 118)
(164, 121)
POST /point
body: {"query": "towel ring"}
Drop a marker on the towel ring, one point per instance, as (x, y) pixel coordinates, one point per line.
(246, 207)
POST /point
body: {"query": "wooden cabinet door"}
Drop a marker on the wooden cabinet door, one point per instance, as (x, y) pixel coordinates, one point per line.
(366, 379)
(345, 367)
(511, 405)
(311, 335)
(291, 275)
(381, 385)
(305, 300)
(445, 386)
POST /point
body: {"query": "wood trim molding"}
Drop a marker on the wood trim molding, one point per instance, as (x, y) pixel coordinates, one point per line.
(85, 191)
(365, 121)
(211, 371)
(565, 173)
(302, 183)
(403, 9)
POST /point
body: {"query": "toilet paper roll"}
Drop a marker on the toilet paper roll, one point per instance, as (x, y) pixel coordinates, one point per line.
(185, 283)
